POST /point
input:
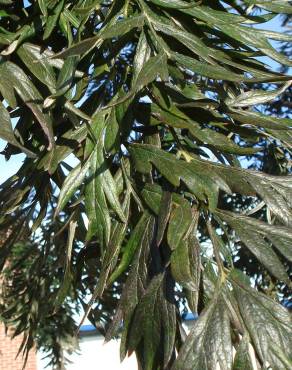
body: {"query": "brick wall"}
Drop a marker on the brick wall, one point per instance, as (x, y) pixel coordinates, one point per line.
(8, 352)
(9, 348)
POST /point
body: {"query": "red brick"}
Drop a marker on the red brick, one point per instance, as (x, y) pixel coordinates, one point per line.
(8, 352)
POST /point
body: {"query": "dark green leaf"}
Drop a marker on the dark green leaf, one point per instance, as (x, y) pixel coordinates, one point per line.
(158, 316)
(34, 60)
(242, 360)
(257, 119)
(141, 56)
(13, 77)
(64, 289)
(118, 29)
(131, 246)
(95, 203)
(53, 19)
(180, 224)
(43, 7)
(209, 342)
(6, 131)
(268, 323)
(254, 239)
(163, 216)
(185, 264)
(175, 170)
(205, 69)
(255, 97)
(71, 184)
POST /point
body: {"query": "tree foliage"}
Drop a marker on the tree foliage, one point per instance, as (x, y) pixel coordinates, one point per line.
(155, 178)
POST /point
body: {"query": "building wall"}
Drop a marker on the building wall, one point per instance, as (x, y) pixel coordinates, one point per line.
(95, 355)
(8, 352)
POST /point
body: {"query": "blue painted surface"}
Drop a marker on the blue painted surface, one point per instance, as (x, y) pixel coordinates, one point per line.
(287, 303)
(188, 316)
(87, 329)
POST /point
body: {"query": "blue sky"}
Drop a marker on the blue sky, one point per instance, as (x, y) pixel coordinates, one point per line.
(8, 168)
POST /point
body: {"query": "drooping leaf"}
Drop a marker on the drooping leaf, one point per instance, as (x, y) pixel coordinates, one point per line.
(141, 56)
(185, 264)
(62, 151)
(255, 39)
(43, 7)
(242, 360)
(180, 224)
(35, 60)
(111, 254)
(95, 202)
(254, 239)
(257, 119)
(112, 133)
(13, 77)
(204, 69)
(6, 131)
(209, 341)
(131, 246)
(277, 6)
(155, 66)
(72, 183)
(175, 170)
(268, 323)
(255, 97)
(181, 126)
(53, 19)
(64, 289)
(206, 135)
(115, 30)
(152, 307)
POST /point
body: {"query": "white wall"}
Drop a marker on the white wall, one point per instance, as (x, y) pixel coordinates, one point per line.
(95, 355)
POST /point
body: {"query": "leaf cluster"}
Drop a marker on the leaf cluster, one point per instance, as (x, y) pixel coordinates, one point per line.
(153, 178)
